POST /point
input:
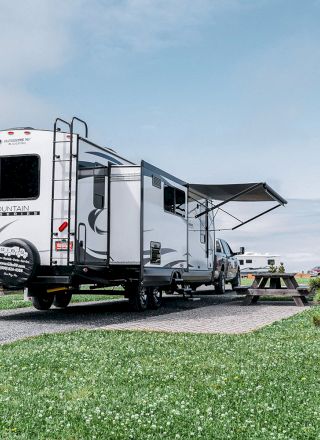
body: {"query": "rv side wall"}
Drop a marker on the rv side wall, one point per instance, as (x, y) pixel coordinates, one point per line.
(164, 224)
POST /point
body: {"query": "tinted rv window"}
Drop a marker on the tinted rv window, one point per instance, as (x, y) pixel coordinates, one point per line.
(19, 177)
(180, 202)
(98, 191)
(169, 199)
(174, 200)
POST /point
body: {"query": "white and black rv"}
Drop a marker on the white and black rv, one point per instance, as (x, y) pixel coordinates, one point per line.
(75, 213)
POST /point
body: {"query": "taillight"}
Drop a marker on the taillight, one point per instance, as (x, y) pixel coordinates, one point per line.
(10, 132)
(63, 226)
(27, 132)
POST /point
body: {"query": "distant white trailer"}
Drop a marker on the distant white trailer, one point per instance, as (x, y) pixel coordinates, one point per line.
(257, 262)
(75, 213)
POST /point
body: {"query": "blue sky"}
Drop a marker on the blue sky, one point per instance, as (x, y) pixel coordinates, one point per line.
(212, 91)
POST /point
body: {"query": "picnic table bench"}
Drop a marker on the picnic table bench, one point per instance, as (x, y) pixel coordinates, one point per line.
(258, 288)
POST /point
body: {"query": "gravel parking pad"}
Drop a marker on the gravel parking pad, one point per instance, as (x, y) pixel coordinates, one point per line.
(211, 314)
(230, 317)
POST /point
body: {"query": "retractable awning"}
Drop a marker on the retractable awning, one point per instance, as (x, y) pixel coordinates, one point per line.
(239, 192)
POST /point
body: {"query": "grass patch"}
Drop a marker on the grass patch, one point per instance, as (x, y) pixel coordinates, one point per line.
(16, 301)
(138, 385)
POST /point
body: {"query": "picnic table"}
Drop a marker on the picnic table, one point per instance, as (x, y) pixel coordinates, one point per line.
(258, 288)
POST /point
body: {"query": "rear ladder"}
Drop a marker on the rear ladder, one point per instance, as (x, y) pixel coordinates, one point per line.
(69, 160)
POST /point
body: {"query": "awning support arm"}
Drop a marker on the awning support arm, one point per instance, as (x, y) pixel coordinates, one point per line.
(256, 216)
(245, 191)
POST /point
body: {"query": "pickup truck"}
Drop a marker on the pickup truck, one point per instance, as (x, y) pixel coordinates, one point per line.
(227, 268)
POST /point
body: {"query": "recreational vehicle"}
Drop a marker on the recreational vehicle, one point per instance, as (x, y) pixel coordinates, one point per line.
(252, 262)
(74, 213)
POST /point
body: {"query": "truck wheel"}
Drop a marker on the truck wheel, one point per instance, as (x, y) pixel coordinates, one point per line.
(62, 299)
(236, 281)
(220, 286)
(43, 301)
(138, 298)
(154, 298)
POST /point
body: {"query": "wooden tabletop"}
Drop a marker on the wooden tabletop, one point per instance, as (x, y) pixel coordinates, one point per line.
(274, 275)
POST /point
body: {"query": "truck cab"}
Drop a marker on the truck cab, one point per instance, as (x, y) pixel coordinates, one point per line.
(227, 268)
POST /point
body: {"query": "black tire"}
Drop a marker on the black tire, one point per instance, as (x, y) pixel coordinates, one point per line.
(138, 298)
(19, 260)
(236, 281)
(154, 298)
(43, 301)
(62, 299)
(220, 285)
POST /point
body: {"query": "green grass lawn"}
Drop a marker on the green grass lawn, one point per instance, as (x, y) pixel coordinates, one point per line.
(15, 300)
(136, 385)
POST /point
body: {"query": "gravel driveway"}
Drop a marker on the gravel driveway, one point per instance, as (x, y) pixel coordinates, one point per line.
(211, 314)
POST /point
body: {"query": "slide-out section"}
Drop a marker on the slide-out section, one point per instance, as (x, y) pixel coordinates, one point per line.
(125, 196)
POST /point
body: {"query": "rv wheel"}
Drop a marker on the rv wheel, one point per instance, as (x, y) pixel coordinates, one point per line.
(43, 301)
(138, 298)
(62, 299)
(154, 297)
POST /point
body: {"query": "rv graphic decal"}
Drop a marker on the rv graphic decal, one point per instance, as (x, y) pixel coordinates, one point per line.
(17, 210)
(12, 214)
(98, 252)
(5, 226)
(92, 218)
(174, 263)
(105, 156)
(84, 164)
(13, 251)
(17, 141)
(163, 251)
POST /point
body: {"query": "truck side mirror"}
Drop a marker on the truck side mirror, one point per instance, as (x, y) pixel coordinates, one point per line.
(242, 250)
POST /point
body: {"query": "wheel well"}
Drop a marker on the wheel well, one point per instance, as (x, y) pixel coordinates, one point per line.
(176, 275)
